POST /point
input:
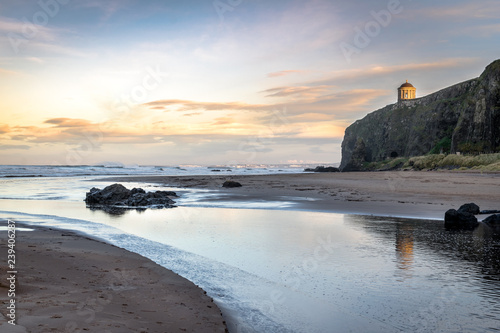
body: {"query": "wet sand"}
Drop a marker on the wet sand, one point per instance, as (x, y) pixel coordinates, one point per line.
(404, 193)
(71, 283)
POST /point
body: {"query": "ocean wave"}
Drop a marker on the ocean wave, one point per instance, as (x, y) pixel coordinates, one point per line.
(116, 169)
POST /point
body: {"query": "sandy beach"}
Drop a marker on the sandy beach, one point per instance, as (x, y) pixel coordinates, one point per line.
(407, 194)
(71, 283)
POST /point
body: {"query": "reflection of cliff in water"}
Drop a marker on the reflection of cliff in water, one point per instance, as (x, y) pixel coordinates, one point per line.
(475, 255)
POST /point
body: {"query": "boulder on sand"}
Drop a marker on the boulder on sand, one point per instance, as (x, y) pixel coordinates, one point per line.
(322, 169)
(117, 195)
(493, 221)
(463, 218)
(470, 208)
(231, 184)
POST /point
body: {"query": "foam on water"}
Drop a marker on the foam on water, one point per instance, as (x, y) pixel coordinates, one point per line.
(115, 169)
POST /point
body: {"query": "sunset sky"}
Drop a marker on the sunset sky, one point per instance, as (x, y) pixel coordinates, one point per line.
(220, 82)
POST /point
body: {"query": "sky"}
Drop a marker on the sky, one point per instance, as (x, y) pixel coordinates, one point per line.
(217, 82)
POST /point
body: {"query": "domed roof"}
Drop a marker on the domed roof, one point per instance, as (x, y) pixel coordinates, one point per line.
(407, 85)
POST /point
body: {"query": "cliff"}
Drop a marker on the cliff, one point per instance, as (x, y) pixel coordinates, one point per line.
(464, 117)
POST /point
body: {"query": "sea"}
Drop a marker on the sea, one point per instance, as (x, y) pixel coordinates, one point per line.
(272, 267)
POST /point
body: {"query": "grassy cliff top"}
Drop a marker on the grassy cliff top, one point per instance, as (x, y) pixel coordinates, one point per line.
(482, 162)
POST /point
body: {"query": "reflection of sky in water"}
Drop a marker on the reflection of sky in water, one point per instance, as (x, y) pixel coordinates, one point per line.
(3, 228)
(74, 189)
(57, 188)
(311, 272)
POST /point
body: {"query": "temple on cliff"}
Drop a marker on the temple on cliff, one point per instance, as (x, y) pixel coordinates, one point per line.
(406, 91)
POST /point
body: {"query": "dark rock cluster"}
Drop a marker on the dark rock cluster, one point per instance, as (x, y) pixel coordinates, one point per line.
(322, 169)
(119, 196)
(465, 218)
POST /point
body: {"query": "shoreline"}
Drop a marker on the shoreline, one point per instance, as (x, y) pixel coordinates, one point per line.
(68, 282)
(112, 287)
(408, 194)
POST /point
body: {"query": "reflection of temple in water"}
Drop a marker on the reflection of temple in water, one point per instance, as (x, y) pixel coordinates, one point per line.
(404, 246)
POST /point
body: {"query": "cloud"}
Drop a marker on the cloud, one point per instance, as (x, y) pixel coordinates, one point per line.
(68, 122)
(40, 39)
(317, 150)
(484, 31)
(314, 101)
(356, 75)
(10, 26)
(283, 73)
(35, 59)
(7, 72)
(479, 10)
(300, 91)
(53, 48)
(108, 8)
(185, 105)
(341, 107)
(360, 92)
(224, 121)
(192, 114)
(311, 117)
(4, 129)
(13, 147)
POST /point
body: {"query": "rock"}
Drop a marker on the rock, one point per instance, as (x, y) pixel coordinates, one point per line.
(469, 208)
(108, 196)
(456, 219)
(322, 169)
(231, 184)
(357, 157)
(137, 190)
(462, 118)
(490, 211)
(117, 196)
(493, 221)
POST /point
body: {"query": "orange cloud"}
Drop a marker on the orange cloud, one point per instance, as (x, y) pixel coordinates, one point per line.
(185, 105)
(312, 117)
(68, 122)
(224, 121)
(4, 129)
(7, 72)
(283, 73)
(356, 75)
(192, 114)
(300, 91)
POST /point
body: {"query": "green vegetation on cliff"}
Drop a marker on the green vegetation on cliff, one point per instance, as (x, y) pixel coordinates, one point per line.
(462, 118)
(483, 162)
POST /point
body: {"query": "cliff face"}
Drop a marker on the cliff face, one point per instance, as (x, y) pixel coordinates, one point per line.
(464, 117)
